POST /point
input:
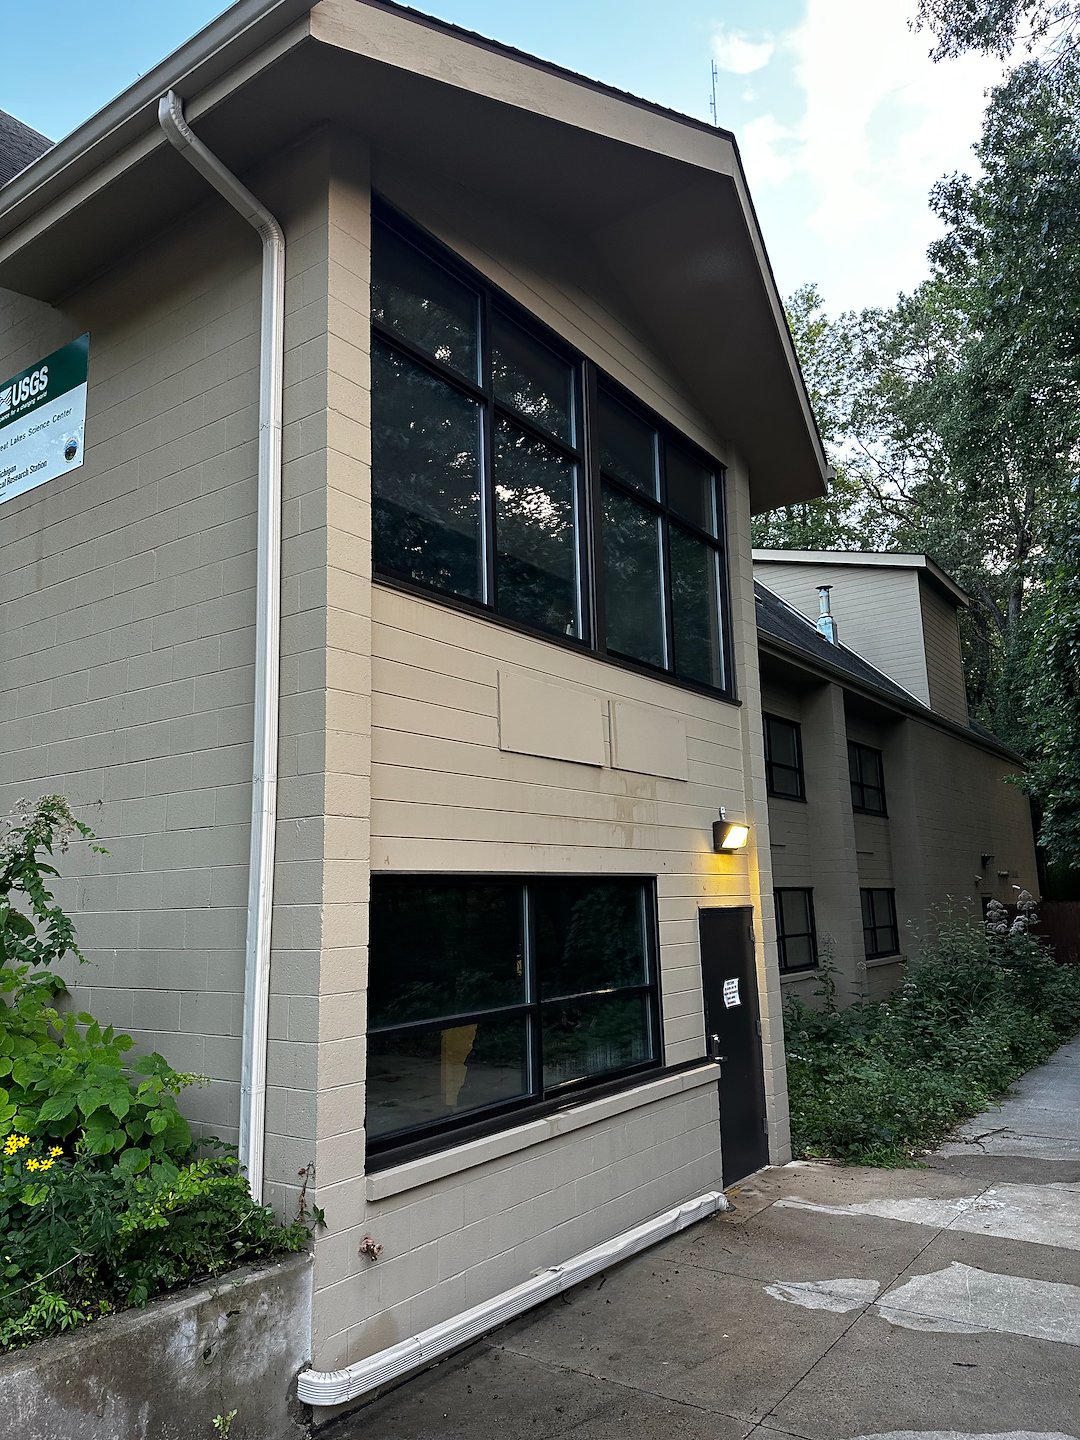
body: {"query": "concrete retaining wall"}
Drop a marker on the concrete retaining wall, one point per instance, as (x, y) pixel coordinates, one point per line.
(163, 1373)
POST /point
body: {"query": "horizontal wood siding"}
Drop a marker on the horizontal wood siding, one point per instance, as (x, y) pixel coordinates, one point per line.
(877, 613)
(944, 663)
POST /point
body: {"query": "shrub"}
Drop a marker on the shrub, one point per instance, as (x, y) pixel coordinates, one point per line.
(877, 1084)
(104, 1200)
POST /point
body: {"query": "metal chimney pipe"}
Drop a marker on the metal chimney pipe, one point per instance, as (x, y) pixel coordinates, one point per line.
(826, 625)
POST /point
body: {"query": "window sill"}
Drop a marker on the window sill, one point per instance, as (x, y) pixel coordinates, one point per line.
(788, 977)
(507, 1142)
(879, 960)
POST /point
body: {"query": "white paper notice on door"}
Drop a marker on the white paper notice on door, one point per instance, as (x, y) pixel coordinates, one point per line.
(731, 994)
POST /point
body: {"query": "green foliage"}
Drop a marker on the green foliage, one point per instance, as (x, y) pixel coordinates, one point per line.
(954, 417)
(104, 1201)
(995, 27)
(1054, 681)
(82, 1239)
(846, 518)
(877, 1084)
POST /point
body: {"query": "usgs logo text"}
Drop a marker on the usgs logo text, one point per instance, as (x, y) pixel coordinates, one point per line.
(30, 385)
(28, 388)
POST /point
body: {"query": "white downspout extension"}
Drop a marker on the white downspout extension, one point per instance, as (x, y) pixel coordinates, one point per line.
(336, 1387)
(267, 632)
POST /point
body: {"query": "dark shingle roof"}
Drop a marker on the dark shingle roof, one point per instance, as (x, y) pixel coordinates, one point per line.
(776, 618)
(19, 145)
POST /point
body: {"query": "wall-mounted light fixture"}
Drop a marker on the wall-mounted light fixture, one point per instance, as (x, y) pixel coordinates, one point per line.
(729, 835)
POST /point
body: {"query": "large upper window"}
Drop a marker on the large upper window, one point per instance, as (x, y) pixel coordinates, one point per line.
(488, 995)
(867, 779)
(783, 758)
(509, 473)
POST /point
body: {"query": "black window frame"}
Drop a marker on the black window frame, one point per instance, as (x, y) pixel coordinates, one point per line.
(396, 1147)
(873, 925)
(783, 936)
(861, 759)
(772, 764)
(584, 453)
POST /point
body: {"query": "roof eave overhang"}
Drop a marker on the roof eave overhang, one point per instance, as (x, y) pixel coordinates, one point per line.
(872, 560)
(661, 202)
(821, 670)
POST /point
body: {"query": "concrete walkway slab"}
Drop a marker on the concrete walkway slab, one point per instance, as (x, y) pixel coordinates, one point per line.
(833, 1302)
(879, 1378)
(783, 1243)
(1038, 1118)
(695, 1336)
(493, 1394)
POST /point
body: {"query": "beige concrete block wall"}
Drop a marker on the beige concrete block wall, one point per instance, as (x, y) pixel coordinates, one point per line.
(126, 611)
(948, 803)
(446, 797)
(451, 1243)
(813, 842)
(964, 806)
(127, 633)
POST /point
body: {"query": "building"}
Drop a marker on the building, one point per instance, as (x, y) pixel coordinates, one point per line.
(409, 813)
(887, 805)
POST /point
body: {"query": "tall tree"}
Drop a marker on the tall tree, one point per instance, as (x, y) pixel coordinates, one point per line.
(846, 517)
(996, 27)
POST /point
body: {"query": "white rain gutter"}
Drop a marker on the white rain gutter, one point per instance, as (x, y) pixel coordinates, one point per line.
(334, 1387)
(267, 632)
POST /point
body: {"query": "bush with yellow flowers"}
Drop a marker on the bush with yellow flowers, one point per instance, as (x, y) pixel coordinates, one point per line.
(104, 1199)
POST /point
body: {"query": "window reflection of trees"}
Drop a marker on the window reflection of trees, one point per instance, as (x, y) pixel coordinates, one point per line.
(482, 482)
(493, 992)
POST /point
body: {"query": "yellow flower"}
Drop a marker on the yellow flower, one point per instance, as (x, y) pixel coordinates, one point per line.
(44, 1164)
(33, 1164)
(56, 1151)
(14, 1143)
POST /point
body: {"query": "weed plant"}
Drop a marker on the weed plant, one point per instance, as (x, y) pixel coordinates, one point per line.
(878, 1084)
(105, 1200)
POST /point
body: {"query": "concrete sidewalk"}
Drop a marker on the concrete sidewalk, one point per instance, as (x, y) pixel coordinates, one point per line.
(829, 1302)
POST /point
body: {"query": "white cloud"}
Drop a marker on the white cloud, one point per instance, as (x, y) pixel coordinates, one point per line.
(770, 151)
(880, 124)
(738, 54)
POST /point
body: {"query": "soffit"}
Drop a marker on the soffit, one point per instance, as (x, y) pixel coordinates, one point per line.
(674, 232)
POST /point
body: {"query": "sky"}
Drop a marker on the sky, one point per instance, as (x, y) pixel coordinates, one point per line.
(842, 120)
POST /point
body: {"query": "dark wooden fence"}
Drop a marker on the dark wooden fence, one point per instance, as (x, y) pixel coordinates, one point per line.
(1059, 923)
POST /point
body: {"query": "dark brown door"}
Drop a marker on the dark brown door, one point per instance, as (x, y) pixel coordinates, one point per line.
(733, 1035)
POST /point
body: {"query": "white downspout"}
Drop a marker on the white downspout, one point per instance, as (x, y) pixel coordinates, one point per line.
(267, 632)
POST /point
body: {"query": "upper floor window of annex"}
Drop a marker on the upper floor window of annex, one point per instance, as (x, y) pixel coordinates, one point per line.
(783, 758)
(510, 475)
(867, 771)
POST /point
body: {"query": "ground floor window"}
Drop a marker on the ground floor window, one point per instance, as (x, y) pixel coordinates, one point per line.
(487, 995)
(880, 933)
(795, 934)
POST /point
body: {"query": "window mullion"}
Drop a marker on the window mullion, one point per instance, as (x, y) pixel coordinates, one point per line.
(419, 357)
(532, 992)
(591, 539)
(666, 596)
(488, 538)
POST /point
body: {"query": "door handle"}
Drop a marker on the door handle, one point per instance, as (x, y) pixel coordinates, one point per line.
(714, 1049)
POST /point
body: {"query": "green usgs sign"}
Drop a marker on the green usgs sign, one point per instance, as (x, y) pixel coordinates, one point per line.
(42, 418)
